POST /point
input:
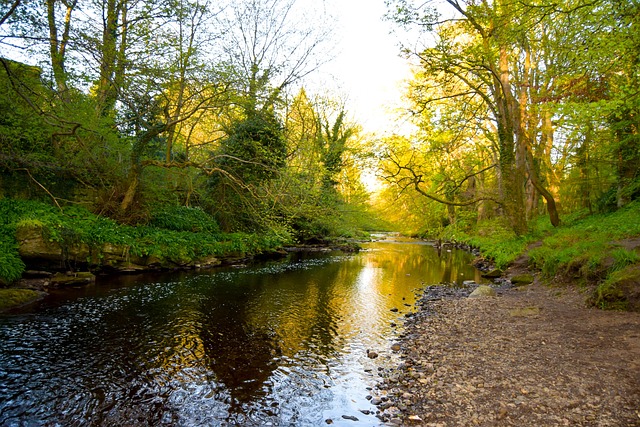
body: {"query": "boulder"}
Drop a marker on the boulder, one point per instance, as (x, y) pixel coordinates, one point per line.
(522, 279)
(31, 244)
(483, 291)
(59, 280)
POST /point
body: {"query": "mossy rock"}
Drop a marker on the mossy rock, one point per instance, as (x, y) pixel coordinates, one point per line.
(522, 279)
(493, 274)
(10, 298)
(72, 279)
(620, 291)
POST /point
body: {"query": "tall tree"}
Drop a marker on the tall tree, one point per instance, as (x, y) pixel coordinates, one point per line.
(481, 54)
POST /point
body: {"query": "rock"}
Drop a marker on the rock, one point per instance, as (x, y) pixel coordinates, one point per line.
(371, 354)
(522, 279)
(72, 279)
(492, 274)
(32, 245)
(502, 414)
(10, 298)
(395, 347)
(483, 291)
(414, 418)
(394, 309)
(350, 417)
(376, 401)
(210, 261)
(524, 312)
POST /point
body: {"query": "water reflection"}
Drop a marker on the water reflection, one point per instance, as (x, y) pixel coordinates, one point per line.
(283, 343)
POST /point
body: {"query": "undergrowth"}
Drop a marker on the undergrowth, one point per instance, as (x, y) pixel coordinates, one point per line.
(179, 234)
(497, 241)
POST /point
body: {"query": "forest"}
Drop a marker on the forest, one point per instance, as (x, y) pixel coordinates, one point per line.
(151, 118)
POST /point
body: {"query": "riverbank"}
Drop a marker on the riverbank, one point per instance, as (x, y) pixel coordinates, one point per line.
(531, 356)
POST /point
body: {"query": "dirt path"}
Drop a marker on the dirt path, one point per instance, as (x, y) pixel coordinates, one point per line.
(532, 356)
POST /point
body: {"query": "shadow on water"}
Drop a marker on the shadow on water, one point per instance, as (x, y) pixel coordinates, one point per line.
(283, 343)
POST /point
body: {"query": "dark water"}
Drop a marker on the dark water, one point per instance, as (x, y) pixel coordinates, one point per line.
(275, 344)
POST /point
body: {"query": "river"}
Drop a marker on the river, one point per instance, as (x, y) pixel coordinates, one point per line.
(282, 343)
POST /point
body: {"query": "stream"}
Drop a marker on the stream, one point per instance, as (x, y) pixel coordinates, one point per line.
(279, 343)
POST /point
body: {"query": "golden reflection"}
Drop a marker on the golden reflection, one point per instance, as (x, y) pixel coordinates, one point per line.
(241, 330)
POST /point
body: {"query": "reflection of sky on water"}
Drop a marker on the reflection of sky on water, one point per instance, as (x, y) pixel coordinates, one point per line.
(283, 343)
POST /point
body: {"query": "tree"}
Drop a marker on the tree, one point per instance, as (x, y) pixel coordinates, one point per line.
(482, 55)
(269, 46)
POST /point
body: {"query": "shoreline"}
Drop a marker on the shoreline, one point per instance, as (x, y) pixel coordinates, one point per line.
(531, 356)
(40, 278)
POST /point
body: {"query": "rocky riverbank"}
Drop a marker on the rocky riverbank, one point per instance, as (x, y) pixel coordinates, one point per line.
(530, 356)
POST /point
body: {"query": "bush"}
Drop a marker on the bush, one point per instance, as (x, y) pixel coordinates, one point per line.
(183, 218)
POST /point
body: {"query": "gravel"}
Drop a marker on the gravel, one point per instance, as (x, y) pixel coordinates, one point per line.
(532, 356)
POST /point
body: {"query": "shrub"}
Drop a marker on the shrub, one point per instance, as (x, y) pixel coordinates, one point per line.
(183, 218)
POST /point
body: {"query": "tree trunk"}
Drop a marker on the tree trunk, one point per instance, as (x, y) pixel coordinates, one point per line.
(510, 162)
(106, 92)
(552, 178)
(58, 46)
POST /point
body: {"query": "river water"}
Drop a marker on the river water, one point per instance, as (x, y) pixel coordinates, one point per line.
(281, 343)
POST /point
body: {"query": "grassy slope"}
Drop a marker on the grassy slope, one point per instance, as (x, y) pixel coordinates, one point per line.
(586, 249)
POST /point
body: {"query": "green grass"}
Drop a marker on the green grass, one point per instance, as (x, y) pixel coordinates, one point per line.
(496, 241)
(585, 249)
(611, 293)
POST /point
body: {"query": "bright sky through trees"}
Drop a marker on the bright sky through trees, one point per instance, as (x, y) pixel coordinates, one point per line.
(367, 67)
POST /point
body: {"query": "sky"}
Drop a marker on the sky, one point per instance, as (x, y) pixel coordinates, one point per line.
(367, 65)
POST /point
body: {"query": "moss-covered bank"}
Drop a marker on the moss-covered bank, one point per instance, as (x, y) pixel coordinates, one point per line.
(16, 297)
(35, 235)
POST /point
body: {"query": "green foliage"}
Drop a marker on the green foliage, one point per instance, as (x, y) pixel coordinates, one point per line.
(495, 239)
(11, 266)
(75, 225)
(183, 218)
(255, 148)
(23, 133)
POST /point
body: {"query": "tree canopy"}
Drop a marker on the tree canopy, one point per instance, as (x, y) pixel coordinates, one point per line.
(520, 109)
(520, 106)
